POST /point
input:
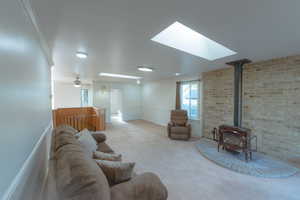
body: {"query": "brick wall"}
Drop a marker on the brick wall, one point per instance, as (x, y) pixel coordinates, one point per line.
(218, 99)
(271, 103)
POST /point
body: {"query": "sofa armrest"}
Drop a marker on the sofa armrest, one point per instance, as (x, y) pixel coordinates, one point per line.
(99, 137)
(146, 186)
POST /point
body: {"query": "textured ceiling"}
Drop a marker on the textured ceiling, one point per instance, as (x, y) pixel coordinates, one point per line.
(116, 33)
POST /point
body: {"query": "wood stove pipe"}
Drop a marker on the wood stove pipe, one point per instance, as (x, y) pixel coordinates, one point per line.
(238, 89)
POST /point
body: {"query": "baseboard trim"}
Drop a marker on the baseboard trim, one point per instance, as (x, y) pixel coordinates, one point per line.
(156, 123)
(21, 174)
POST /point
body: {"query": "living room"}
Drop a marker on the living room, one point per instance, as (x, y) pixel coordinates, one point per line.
(150, 99)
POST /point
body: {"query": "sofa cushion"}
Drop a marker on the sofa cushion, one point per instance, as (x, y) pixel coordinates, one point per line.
(78, 177)
(179, 130)
(69, 148)
(98, 155)
(64, 138)
(179, 122)
(87, 141)
(65, 128)
(116, 172)
(99, 137)
(103, 147)
(146, 186)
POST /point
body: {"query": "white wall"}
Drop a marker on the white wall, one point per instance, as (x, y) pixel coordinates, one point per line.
(24, 92)
(159, 99)
(66, 95)
(131, 98)
(131, 101)
(116, 101)
(152, 101)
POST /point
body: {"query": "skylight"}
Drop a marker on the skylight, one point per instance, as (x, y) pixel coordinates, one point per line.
(183, 38)
(119, 76)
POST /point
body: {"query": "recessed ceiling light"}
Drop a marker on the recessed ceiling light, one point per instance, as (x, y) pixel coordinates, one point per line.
(183, 38)
(119, 76)
(81, 55)
(138, 82)
(145, 69)
(177, 74)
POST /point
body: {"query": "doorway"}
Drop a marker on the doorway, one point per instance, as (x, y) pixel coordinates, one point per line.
(116, 105)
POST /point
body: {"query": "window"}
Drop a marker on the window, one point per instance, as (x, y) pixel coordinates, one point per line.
(84, 94)
(190, 98)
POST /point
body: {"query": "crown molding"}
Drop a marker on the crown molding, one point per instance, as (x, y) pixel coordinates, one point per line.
(26, 6)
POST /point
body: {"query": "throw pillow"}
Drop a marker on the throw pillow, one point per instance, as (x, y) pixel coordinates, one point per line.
(65, 128)
(116, 172)
(107, 156)
(99, 137)
(87, 141)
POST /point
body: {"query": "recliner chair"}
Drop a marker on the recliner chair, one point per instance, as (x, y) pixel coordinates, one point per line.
(178, 127)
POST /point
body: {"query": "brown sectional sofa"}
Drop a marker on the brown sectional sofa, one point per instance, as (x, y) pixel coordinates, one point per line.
(78, 177)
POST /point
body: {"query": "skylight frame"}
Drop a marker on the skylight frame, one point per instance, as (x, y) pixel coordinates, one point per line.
(183, 38)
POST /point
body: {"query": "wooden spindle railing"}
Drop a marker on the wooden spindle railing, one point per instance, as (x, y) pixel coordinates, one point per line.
(80, 118)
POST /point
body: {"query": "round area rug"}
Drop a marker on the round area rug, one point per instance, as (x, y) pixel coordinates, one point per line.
(260, 166)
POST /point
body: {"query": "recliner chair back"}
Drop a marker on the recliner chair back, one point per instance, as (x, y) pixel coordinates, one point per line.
(179, 117)
(178, 127)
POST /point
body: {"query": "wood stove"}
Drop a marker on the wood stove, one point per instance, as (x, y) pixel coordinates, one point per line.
(236, 139)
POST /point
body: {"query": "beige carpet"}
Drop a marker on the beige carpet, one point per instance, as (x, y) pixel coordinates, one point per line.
(187, 174)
